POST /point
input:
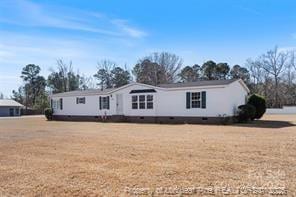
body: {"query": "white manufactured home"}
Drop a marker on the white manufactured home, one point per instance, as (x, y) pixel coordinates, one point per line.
(196, 102)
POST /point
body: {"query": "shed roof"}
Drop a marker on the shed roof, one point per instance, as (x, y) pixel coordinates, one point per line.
(9, 103)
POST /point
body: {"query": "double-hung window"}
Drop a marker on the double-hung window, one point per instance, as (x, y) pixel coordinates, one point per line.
(149, 101)
(134, 102)
(142, 101)
(105, 103)
(195, 100)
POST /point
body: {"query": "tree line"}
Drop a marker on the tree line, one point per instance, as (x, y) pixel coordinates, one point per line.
(271, 75)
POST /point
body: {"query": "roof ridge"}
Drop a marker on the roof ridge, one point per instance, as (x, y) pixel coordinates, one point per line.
(215, 80)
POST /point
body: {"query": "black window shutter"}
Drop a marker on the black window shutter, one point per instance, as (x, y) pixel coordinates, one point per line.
(100, 103)
(188, 100)
(77, 100)
(203, 99)
(61, 104)
(108, 102)
(51, 101)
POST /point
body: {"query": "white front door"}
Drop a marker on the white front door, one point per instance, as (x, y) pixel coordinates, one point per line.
(119, 104)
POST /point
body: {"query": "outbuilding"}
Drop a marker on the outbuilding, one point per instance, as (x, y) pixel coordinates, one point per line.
(195, 102)
(10, 107)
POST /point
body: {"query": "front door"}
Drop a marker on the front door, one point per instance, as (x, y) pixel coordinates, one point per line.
(11, 111)
(119, 104)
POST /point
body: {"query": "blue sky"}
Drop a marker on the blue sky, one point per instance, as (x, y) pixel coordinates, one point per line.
(40, 31)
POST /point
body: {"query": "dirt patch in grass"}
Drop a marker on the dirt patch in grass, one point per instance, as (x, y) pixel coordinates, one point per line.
(38, 157)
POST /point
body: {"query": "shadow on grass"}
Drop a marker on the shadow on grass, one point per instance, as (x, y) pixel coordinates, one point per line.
(275, 124)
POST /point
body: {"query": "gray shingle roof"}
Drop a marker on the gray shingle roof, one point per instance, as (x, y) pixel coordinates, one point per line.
(198, 83)
(170, 85)
(84, 92)
(9, 103)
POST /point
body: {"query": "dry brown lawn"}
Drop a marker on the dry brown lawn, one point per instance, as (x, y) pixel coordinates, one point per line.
(39, 157)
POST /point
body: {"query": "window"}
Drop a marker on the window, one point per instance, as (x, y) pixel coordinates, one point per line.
(53, 104)
(56, 104)
(195, 99)
(134, 102)
(80, 100)
(105, 103)
(149, 101)
(142, 101)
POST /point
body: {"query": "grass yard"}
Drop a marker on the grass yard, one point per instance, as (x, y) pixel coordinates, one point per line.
(38, 158)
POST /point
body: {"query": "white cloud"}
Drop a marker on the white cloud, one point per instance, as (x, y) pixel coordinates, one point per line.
(90, 37)
(17, 50)
(131, 31)
(27, 13)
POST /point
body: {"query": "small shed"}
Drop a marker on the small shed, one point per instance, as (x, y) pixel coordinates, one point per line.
(10, 107)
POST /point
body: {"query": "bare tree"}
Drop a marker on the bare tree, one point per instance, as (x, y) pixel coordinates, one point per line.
(87, 82)
(158, 68)
(290, 73)
(290, 90)
(64, 69)
(104, 75)
(274, 63)
(256, 73)
(63, 79)
(268, 75)
(148, 72)
(169, 63)
(293, 59)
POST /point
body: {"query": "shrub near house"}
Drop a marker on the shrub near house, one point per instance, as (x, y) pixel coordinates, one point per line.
(259, 103)
(48, 113)
(254, 109)
(246, 112)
